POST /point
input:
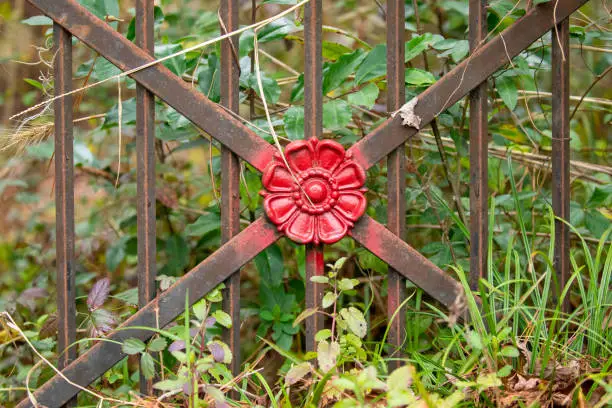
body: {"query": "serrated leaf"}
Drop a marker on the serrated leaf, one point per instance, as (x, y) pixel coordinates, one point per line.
(157, 344)
(147, 366)
(327, 354)
(293, 120)
(98, 294)
(366, 96)
(336, 114)
(297, 372)
(133, 346)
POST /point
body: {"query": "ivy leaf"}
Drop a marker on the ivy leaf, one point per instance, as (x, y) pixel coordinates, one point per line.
(147, 366)
(419, 77)
(327, 354)
(133, 346)
(178, 64)
(336, 114)
(294, 122)
(373, 66)
(99, 294)
(506, 89)
(355, 320)
(209, 79)
(366, 96)
(337, 72)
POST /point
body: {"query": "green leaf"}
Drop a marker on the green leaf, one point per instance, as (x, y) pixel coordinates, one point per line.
(504, 371)
(347, 284)
(38, 21)
(417, 45)
(294, 122)
(319, 279)
(178, 64)
(338, 72)
(506, 89)
(203, 225)
(157, 344)
(473, 338)
(419, 77)
(400, 378)
(209, 79)
(169, 385)
(129, 296)
(115, 254)
(328, 300)
(147, 366)
(355, 320)
(366, 96)
(199, 309)
(323, 335)
(332, 51)
(177, 251)
(270, 266)
(327, 354)
(133, 346)
(509, 351)
(102, 8)
(271, 88)
(336, 114)
(373, 66)
(297, 372)
(222, 318)
(276, 30)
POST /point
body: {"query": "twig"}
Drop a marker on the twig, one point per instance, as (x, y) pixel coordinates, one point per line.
(597, 79)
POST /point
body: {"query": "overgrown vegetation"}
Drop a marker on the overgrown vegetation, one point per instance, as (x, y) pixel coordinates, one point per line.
(519, 350)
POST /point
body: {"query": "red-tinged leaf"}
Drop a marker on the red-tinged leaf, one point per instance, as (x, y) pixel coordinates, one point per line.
(98, 294)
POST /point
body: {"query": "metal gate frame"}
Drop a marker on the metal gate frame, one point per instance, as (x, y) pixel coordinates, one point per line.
(239, 142)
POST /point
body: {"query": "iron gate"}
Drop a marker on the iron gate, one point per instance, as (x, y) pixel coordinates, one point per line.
(240, 143)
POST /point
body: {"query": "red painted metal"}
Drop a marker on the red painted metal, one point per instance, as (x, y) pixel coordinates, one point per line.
(159, 312)
(319, 197)
(464, 77)
(561, 153)
(396, 173)
(179, 94)
(479, 154)
(64, 201)
(313, 127)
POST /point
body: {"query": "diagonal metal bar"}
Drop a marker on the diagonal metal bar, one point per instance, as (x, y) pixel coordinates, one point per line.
(205, 114)
(466, 76)
(407, 261)
(159, 312)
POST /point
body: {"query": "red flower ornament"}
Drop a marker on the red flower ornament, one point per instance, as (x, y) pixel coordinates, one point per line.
(320, 198)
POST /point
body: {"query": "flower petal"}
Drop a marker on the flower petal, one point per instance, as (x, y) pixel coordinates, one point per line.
(277, 178)
(301, 228)
(350, 176)
(331, 228)
(279, 207)
(300, 155)
(329, 154)
(351, 204)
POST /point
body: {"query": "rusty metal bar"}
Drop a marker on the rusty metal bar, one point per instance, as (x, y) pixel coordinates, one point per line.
(145, 157)
(313, 127)
(409, 262)
(230, 174)
(205, 114)
(561, 152)
(163, 310)
(464, 77)
(479, 175)
(64, 201)
(396, 172)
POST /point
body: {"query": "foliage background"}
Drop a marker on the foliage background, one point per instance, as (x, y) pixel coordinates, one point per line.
(188, 168)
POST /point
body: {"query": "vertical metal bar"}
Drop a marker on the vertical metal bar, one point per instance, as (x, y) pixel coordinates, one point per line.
(64, 199)
(561, 151)
(479, 190)
(313, 127)
(230, 174)
(396, 171)
(145, 152)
